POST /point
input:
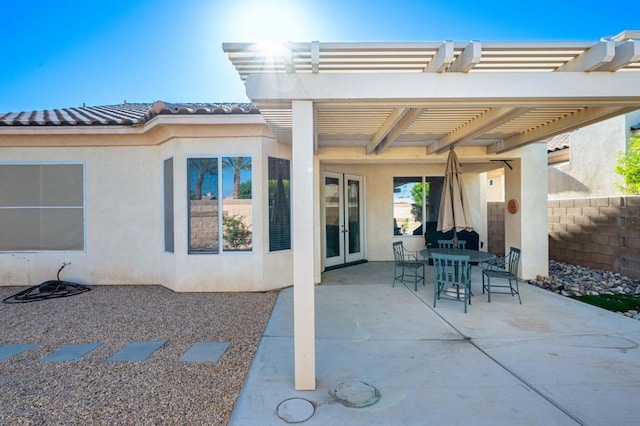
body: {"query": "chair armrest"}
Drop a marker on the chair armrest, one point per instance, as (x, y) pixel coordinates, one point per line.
(411, 256)
(497, 264)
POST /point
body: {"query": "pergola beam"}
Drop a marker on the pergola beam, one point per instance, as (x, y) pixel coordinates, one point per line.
(426, 89)
(442, 59)
(468, 59)
(407, 120)
(315, 57)
(626, 53)
(627, 35)
(384, 130)
(593, 58)
(481, 124)
(582, 118)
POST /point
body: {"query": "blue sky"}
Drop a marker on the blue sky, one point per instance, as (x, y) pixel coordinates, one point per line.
(58, 54)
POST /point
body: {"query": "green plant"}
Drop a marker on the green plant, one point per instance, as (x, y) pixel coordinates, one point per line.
(612, 302)
(405, 225)
(236, 233)
(417, 191)
(629, 167)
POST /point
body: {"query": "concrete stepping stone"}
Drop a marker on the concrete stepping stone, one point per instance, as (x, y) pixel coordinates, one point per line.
(70, 352)
(12, 349)
(136, 351)
(205, 352)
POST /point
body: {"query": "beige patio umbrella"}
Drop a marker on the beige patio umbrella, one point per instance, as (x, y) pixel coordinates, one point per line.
(454, 208)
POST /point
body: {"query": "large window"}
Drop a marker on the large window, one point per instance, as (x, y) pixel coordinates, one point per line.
(279, 204)
(416, 201)
(41, 207)
(212, 215)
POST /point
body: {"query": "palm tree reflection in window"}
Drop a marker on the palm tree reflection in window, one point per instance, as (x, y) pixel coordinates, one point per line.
(237, 212)
(203, 205)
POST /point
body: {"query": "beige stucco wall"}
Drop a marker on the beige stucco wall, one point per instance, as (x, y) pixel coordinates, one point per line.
(122, 210)
(593, 158)
(379, 202)
(526, 183)
(124, 218)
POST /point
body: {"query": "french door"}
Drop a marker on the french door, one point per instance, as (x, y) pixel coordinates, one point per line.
(343, 219)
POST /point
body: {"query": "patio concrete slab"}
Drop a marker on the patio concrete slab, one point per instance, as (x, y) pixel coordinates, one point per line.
(550, 360)
(205, 352)
(13, 349)
(70, 352)
(136, 351)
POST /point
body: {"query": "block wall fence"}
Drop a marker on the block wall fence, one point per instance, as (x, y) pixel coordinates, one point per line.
(600, 233)
(495, 227)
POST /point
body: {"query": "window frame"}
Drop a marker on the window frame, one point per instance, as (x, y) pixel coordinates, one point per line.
(288, 245)
(168, 205)
(220, 249)
(424, 180)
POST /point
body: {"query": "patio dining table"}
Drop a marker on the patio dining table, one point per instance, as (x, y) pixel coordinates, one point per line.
(475, 256)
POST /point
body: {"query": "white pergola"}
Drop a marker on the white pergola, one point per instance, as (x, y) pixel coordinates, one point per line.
(499, 96)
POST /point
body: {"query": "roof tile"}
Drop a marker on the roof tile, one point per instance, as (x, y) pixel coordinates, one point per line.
(559, 142)
(127, 114)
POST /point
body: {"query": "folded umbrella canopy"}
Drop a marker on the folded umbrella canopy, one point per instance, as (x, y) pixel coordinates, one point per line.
(454, 208)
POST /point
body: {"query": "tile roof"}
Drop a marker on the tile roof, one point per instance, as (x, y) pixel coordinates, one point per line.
(559, 142)
(127, 114)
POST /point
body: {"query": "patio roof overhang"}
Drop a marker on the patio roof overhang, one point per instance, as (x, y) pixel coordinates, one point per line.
(379, 96)
(500, 95)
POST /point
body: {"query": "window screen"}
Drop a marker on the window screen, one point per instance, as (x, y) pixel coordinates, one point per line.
(41, 207)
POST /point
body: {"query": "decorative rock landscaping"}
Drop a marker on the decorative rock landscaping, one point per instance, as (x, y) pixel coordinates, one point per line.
(575, 280)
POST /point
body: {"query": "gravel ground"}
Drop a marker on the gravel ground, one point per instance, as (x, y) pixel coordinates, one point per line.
(160, 390)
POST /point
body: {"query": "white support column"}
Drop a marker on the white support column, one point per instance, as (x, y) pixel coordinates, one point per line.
(528, 228)
(302, 187)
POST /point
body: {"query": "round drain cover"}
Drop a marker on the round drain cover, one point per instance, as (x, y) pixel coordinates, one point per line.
(296, 410)
(356, 394)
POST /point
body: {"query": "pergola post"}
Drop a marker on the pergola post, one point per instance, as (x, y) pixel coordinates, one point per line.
(527, 229)
(303, 245)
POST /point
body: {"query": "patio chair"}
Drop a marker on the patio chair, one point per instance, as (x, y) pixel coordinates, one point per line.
(507, 272)
(407, 266)
(460, 244)
(452, 278)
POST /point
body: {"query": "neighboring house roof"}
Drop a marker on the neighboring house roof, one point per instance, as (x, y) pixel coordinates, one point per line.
(559, 142)
(127, 114)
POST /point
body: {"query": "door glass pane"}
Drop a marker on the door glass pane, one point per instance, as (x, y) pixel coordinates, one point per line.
(332, 216)
(408, 205)
(353, 215)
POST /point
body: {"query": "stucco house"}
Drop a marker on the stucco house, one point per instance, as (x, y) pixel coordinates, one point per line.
(143, 194)
(582, 163)
(344, 133)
